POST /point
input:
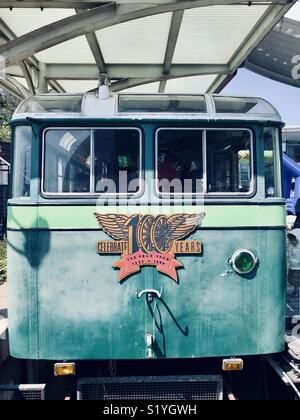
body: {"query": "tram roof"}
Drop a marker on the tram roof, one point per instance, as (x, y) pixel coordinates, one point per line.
(140, 106)
(165, 46)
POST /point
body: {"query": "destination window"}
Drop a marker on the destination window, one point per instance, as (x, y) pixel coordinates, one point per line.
(229, 167)
(271, 162)
(22, 162)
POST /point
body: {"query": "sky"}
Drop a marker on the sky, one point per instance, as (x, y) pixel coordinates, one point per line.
(285, 98)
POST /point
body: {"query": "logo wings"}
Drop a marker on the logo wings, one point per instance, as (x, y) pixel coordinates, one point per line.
(178, 226)
(181, 225)
(115, 225)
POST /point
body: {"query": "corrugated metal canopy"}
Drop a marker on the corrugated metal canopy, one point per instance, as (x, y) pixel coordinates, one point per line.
(278, 55)
(157, 46)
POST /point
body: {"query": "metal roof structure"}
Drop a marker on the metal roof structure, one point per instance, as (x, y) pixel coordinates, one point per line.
(278, 55)
(190, 46)
(149, 106)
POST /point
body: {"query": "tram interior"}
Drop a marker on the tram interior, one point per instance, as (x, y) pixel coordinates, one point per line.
(227, 160)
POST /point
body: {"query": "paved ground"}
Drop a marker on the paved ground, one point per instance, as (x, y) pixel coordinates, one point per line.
(3, 289)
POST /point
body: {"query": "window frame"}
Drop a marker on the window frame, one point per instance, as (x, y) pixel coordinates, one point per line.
(13, 164)
(205, 192)
(277, 162)
(91, 193)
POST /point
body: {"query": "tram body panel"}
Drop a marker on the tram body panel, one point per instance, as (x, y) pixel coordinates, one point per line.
(65, 300)
(70, 304)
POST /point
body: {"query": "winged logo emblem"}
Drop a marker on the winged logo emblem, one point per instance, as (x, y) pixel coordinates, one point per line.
(149, 240)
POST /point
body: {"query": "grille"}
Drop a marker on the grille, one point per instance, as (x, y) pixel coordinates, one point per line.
(22, 392)
(208, 387)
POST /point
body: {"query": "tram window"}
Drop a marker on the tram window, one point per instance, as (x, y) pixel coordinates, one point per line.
(117, 161)
(228, 161)
(67, 161)
(292, 143)
(162, 103)
(270, 159)
(179, 161)
(22, 162)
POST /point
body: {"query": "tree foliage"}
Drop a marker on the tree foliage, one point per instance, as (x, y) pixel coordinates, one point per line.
(3, 262)
(8, 105)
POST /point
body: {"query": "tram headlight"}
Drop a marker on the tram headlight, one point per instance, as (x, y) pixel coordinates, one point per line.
(243, 261)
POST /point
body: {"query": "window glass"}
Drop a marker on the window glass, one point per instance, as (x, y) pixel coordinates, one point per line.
(292, 142)
(67, 161)
(162, 103)
(51, 104)
(117, 161)
(228, 161)
(179, 161)
(22, 162)
(231, 105)
(271, 162)
(69, 154)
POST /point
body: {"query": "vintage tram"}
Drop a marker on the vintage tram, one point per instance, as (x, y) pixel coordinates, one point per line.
(146, 226)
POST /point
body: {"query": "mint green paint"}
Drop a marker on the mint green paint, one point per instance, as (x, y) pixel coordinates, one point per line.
(65, 301)
(67, 217)
(24, 217)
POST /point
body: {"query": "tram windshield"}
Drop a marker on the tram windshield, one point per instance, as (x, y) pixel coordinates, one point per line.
(183, 167)
(87, 161)
(22, 162)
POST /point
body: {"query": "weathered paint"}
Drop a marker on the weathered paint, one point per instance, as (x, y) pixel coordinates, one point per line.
(66, 302)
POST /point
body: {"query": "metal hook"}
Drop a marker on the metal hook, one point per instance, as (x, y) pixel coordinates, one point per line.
(150, 294)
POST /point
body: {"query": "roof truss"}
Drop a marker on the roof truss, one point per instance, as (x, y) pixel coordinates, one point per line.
(92, 16)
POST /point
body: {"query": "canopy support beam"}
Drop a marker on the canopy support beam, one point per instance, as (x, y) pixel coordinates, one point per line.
(117, 71)
(95, 48)
(171, 45)
(93, 20)
(90, 4)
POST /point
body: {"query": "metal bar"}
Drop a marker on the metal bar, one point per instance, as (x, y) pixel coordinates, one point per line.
(89, 4)
(11, 89)
(118, 71)
(92, 169)
(95, 49)
(42, 85)
(92, 20)
(133, 82)
(171, 45)
(56, 86)
(162, 86)
(57, 4)
(9, 35)
(28, 78)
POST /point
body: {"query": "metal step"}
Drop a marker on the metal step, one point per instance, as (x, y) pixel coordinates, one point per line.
(22, 392)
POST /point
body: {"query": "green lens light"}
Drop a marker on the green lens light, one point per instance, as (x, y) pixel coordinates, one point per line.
(243, 261)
